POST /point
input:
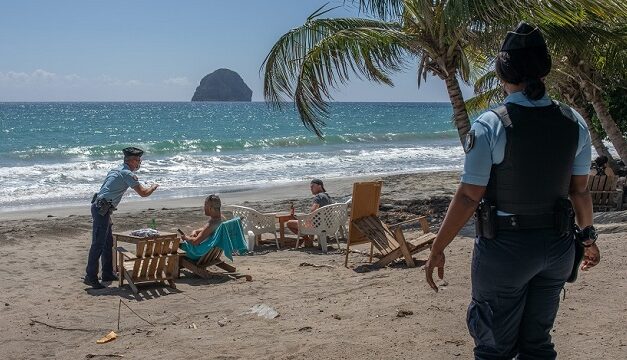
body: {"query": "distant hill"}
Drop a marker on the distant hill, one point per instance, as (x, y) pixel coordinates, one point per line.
(222, 85)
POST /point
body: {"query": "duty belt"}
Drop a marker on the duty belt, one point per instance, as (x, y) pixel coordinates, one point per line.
(524, 222)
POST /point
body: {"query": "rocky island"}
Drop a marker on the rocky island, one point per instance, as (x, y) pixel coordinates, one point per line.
(222, 85)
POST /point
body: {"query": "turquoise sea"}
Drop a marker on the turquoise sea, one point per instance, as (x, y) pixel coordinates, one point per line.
(57, 154)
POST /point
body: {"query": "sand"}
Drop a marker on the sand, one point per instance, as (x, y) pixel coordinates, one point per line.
(327, 312)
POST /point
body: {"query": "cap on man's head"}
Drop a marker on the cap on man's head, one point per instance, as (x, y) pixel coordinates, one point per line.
(318, 182)
(523, 37)
(133, 151)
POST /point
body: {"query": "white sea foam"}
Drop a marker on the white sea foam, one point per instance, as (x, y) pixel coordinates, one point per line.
(195, 174)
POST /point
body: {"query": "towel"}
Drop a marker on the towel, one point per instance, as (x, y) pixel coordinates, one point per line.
(228, 236)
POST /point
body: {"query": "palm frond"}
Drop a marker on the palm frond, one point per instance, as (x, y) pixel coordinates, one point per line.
(383, 9)
(485, 100)
(282, 65)
(373, 53)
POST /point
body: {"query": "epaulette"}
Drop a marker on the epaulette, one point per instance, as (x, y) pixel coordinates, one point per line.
(566, 111)
(503, 115)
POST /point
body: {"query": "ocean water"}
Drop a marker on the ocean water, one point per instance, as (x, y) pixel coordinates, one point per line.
(57, 154)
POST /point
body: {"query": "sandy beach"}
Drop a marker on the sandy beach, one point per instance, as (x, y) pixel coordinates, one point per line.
(326, 311)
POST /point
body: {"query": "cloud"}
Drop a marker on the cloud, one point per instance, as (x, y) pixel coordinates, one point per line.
(36, 76)
(180, 81)
(43, 75)
(72, 77)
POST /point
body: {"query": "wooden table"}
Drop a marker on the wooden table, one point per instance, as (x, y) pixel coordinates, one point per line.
(128, 238)
(283, 218)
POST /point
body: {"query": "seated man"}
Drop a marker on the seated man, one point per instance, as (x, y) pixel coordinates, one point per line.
(320, 199)
(212, 209)
(600, 166)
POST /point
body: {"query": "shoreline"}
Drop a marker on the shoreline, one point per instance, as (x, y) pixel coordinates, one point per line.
(338, 188)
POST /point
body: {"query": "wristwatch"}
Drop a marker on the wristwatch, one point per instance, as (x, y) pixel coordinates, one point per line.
(588, 236)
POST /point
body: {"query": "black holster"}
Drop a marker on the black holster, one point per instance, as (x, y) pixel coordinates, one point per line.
(104, 207)
(564, 217)
(579, 253)
(565, 226)
(485, 220)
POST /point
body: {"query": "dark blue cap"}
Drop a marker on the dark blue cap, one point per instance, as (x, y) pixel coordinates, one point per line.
(133, 151)
(523, 37)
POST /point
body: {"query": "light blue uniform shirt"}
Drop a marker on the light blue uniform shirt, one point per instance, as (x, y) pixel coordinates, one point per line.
(490, 139)
(116, 183)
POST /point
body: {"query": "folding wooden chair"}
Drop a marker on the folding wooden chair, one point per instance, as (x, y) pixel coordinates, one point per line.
(392, 243)
(227, 237)
(604, 192)
(365, 226)
(211, 258)
(155, 260)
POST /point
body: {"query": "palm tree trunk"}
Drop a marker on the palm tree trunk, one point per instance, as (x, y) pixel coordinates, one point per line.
(593, 95)
(460, 115)
(597, 142)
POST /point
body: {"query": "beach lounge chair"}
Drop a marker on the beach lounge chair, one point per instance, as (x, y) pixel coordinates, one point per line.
(605, 193)
(254, 221)
(321, 223)
(226, 239)
(365, 226)
(390, 241)
(155, 260)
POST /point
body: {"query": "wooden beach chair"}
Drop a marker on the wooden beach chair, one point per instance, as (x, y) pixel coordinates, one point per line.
(365, 226)
(227, 236)
(212, 258)
(390, 241)
(155, 260)
(604, 192)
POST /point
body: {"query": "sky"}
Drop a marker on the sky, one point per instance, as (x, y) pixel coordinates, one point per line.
(154, 50)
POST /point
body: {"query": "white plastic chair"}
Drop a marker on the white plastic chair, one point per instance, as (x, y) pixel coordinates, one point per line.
(344, 219)
(254, 221)
(322, 222)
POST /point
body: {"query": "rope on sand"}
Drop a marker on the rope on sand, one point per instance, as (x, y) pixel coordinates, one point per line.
(33, 321)
(136, 314)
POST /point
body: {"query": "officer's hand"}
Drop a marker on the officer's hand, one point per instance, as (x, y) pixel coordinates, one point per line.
(436, 260)
(591, 257)
(195, 232)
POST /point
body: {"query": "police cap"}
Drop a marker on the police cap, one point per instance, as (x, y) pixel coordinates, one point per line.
(523, 37)
(133, 151)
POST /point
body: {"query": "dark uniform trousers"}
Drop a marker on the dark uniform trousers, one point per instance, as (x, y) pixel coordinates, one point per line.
(101, 245)
(516, 282)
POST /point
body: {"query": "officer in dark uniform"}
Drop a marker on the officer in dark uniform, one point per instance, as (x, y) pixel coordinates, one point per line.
(116, 183)
(524, 161)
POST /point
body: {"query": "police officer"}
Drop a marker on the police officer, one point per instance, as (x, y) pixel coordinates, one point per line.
(523, 161)
(116, 183)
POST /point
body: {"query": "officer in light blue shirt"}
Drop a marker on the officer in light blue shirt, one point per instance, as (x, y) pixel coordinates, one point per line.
(104, 202)
(526, 170)
(488, 143)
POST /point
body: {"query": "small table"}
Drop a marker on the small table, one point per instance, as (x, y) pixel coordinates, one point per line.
(283, 218)
(128, 238)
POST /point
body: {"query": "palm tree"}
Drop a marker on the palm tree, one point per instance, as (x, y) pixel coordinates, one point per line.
(585, 53)
(569, 91)
(444, 36)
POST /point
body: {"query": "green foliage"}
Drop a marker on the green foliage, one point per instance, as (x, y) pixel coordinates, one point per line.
(616, 97)
(452, 39)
